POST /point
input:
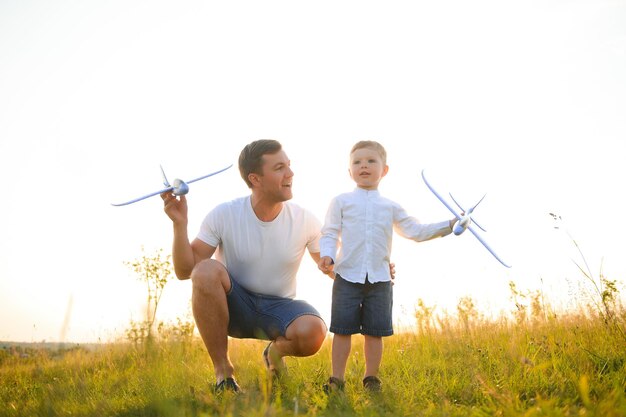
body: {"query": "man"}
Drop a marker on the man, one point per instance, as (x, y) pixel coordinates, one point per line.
(248, 290)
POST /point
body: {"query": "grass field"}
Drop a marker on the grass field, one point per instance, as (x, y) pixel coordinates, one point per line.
(572, 365)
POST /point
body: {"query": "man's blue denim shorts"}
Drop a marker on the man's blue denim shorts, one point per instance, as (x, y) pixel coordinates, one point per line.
(259, 316)
(361, 308)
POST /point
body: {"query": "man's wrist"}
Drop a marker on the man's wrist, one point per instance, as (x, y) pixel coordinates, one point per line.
(180, 225)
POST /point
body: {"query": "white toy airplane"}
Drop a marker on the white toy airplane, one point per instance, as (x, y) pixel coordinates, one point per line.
(180, 187)
(465, 220)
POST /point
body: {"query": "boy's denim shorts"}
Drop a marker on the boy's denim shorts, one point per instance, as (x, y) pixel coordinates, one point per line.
(361, 308)
(259, 316)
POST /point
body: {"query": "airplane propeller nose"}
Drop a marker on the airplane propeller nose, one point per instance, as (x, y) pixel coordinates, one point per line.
(180, 187)
(461, 225)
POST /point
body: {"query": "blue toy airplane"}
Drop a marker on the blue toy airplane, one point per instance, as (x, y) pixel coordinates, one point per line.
(180, 187)
(465, 220)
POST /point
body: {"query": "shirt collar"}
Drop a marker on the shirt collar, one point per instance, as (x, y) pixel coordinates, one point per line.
(364, 192)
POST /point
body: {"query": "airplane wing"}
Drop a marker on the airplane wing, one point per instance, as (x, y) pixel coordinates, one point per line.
(445, 203)
(143, 198)
(169, 188)
(209, 175)
(481, 240)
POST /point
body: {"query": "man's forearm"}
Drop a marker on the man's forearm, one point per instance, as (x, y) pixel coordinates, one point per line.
(182, 253)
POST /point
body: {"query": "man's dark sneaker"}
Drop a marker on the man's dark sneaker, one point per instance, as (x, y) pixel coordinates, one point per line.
(276, 370)
(228, 384)
(372, 384)
(334, 385)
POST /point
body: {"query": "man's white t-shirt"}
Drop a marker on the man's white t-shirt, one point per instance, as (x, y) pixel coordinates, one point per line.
(263, 257)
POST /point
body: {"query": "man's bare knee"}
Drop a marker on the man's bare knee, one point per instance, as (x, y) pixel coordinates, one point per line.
(309, 332)
(209, 275)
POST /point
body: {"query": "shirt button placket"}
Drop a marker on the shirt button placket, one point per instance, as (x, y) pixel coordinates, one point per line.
(368, 232)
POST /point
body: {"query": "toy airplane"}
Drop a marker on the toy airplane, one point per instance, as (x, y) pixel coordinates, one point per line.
(465, 220)
(180, 187)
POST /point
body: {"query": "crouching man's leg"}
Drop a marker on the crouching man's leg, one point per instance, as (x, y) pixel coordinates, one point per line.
(211, 284)
(304, 337)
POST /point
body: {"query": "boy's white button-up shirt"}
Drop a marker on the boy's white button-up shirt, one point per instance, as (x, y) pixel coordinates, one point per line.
(360, 224)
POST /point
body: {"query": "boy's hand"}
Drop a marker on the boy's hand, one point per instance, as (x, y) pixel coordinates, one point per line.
(326, 265)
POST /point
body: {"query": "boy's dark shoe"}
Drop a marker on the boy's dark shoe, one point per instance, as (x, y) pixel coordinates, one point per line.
(334, 385)
(372, 384)
(227, 384)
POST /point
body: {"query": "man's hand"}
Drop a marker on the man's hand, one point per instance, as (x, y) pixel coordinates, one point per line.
(176, 209)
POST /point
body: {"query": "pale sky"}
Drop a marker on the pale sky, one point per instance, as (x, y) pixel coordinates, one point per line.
(522, 100)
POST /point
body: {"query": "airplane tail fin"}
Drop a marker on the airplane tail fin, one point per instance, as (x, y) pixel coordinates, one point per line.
(476, 205)
(456, 202)
(470, 211)
(479, 226)
(165, 181)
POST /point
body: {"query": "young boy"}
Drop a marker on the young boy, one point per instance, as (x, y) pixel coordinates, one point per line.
(363, 221)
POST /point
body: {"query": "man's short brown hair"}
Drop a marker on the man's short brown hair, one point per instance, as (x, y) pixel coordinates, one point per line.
(251, 157)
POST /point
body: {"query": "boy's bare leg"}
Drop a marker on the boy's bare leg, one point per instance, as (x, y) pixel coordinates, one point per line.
(211, 283)
(373, 351)
(342, 343)
(304, 337)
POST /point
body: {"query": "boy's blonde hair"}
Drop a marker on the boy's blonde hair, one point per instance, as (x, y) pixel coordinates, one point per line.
(373, 145)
